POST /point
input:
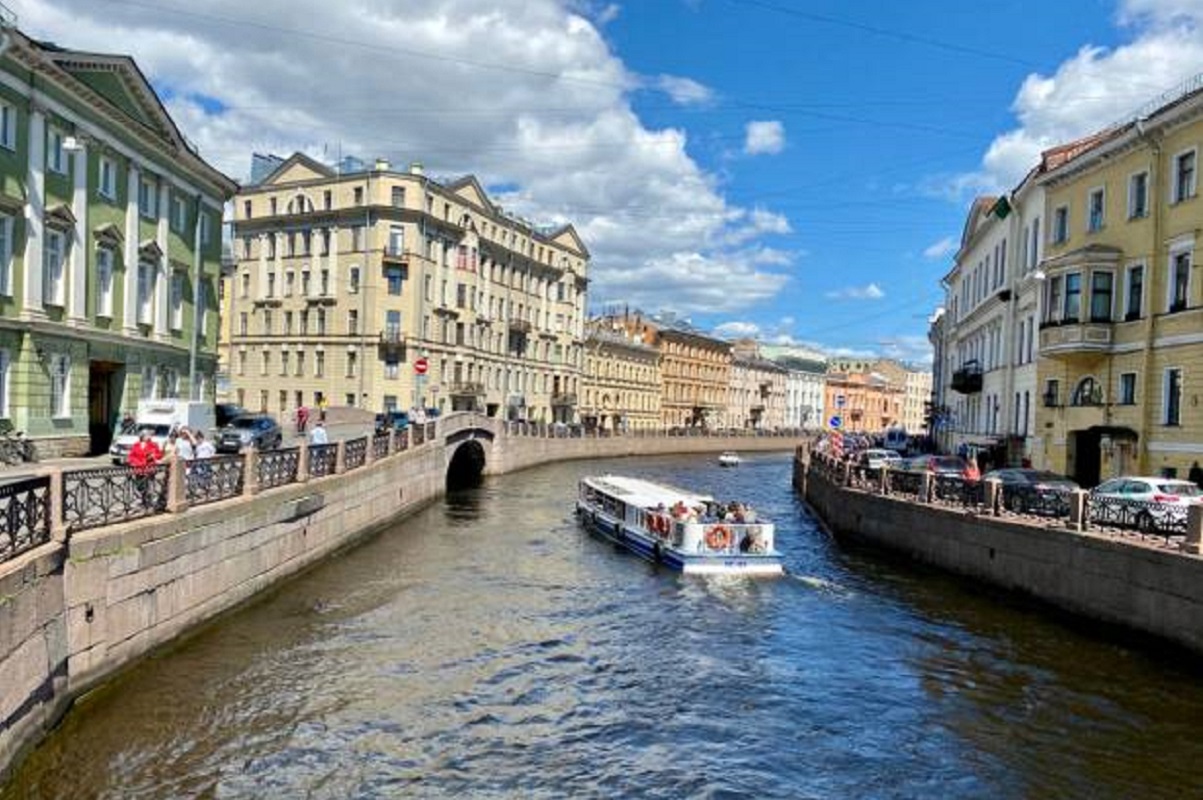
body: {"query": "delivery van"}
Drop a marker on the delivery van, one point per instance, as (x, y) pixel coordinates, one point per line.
(161, 417)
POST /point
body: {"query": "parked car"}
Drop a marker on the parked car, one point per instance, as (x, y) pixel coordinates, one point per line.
(391, 421)
(227, 413)
(250, 430)
(1033, 490)
(878, 458)
(937, 465)
(1148, 504)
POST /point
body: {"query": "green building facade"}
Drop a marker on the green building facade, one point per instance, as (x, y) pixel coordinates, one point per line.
(110, 247)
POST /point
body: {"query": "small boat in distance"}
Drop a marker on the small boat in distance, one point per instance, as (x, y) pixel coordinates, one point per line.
(730, 458)
(679, 529)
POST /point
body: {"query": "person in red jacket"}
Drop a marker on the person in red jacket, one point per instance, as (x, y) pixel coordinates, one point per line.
(143, 457)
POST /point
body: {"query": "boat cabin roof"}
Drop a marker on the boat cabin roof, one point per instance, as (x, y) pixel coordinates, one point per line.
(645, 494)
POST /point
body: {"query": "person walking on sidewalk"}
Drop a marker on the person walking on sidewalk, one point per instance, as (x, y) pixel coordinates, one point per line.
(321, 408)
(319, 435)
(302, 419)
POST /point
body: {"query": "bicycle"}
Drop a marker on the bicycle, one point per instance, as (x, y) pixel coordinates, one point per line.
(15, 447)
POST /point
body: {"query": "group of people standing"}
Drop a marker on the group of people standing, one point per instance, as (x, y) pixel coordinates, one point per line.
(182, 443)
(303, 413)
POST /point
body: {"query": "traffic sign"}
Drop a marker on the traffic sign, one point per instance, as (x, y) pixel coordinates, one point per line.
(840, 400)
(421, 365)
(836, 422)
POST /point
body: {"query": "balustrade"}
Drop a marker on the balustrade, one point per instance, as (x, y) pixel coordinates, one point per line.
(25, 515)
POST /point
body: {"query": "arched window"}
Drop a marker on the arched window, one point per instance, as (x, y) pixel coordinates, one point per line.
(1087, 393)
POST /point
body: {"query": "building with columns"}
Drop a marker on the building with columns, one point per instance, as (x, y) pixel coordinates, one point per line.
(348, 276)
(622, 375)
(109, 247)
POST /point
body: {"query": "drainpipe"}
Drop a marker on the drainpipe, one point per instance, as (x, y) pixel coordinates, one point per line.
(197, 299)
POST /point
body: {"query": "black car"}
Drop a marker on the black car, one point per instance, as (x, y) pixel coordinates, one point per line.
(391, 421)
(1033, 490)
(260, 432)
(227, 413)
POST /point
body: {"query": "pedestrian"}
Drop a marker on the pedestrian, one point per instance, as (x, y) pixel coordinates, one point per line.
(169, 449)
(318, 435)
(143, 457)
(204, 447)
(1195, 475)
(185, 448)
(321, 408)
(972, 473)
(302, 419)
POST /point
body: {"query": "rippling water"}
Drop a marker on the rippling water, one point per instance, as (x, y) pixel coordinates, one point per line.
(487, 647)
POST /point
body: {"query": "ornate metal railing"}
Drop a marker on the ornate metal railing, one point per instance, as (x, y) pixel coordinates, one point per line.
(96, 497)
(24, 516)
(906, 482)
(402, 438)
(1045, 502)
(956, 490)
(1146, 517)
(355, 453)
(322, 459)
(278, 467)
(380, 443)
(207, 480)
(431, 431)
(419, 434)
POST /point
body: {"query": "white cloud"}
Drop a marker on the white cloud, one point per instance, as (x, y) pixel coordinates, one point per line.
(684, 91)
(870, 292)
(764, 137)
(1089, 91)
(736, 330)
(527, 96)
(940, 249)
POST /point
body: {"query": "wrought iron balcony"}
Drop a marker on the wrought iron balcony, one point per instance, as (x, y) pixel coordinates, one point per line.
(392, 337)
(466, 389)
(968, 379)
(520, 325)
(395, 254)
(563, 399)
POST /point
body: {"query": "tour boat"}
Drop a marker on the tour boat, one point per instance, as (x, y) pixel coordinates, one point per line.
(729, 459)
(682, 530)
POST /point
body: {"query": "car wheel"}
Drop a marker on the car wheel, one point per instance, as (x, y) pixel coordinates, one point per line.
(1145, 523)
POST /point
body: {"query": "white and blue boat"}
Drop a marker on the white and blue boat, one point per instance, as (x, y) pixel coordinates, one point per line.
(682, 530)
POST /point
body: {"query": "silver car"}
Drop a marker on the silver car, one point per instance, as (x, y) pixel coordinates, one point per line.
(1151, 505)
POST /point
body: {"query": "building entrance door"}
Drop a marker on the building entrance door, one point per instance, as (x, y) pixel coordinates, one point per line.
(103, 391)
(1084, 457)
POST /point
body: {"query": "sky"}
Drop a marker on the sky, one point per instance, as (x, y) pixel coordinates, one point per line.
(794, 170)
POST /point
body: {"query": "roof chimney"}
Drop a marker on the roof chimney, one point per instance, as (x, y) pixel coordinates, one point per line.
(383, 165)
(415, 168)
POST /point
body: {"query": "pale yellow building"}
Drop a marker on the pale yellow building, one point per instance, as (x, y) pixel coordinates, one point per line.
(347, 279)
(1121, 317)
(695, 371)
(622, 376)
(756, 397)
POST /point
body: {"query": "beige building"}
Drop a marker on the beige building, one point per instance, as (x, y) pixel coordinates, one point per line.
(915, 402)
(695, 370)
(347, 279)
(622, 376)
(905, 390)
(756, 397)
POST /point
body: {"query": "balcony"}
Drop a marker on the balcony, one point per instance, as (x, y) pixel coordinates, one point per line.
(392, 338)
(394, 254)
(520, 325)
(563, 399)
(320, 298)
(1069, 339)
(968, 379)
(466, 389)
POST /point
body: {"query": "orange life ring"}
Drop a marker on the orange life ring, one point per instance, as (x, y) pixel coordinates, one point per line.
(718, 537)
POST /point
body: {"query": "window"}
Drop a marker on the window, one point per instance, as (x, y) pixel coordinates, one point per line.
(1184, 176)
(150, 383)
(246, 209)
(1073, 297)
(6, 255)
(396, 240)
(53, 259)
(358, 195)
(399, 196)
(300, 364)
(178, 214)
(325, 282)
(1094, 220)
(392, 325)
(1138, 195)
(206, 228)
(1052, 393)
(1172, 401)
(1101, 284)
(266, 362)
(56, 156)
(171, 383)
(305, 282)
(1087, 393)
(104, 282)
(356, 238)
(352, 322)
(327, 200)
(321, 322)
(8, 126)
(284, 356)
(319, 364)
(146, 288)
(287, 323)
(246, 284)
(268, 322)
(1135, 293)
(394, 277)
(147, 201)
(290, 279)
(60, 385)
(241, 362)
(242, 323)
(1179, 281)
(1127, 389)
(272, 204)
(353, 280)
(177, 301)
(106, 179)
(304, 323)
(352, 363)
(271, 284)
(1061, 225)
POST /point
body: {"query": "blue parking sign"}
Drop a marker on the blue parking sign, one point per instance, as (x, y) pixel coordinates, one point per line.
(836, 422)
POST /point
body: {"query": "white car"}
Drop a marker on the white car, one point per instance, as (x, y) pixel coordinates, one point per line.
(877, 458)
(1148, 504)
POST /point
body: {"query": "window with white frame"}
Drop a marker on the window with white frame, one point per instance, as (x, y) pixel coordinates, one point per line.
(1171, 399)
(8, 126)
(148, 201)
(1102, 288)
(1127, 389)
(56, 155)
(177, 301)
(106, 178)
(146, 289)
(60, 385)
(352, 363)
(1179, 282)
(54, 257)
(104, 282)
(150, 387)
(202, 307)
(1134, 294)
(171, 383)
(5, 382)
(1184, 176)
(179, 214)
(1096, 205)
(6, 255)
(1138, 195)
(206, 226)
(1061, 225)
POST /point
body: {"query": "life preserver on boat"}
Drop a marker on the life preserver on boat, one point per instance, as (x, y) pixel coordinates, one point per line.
(718, 537)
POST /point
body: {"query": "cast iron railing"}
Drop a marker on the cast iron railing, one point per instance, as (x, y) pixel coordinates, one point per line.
(96, 497)
(1045, 502)
(207, 480)
(355, 453)
(380, 444)
(278, 467)
(1144, 516)
(402, 438)
(24, 516)
(322, 459)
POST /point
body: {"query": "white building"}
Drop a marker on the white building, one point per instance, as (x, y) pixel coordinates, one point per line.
(805, 384)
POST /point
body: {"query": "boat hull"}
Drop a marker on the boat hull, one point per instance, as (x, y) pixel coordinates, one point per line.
(649, 548)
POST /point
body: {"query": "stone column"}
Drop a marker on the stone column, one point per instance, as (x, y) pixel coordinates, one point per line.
(250, 471)
(926, 487)
(884, 484)
(303, 461)
(78, 268)
(340, 458)
(1077, 509)
(35, 216)
(58, 526)
(130, 249)
(994, 495)
(177, 493)
(369, 452)
(1194, 530)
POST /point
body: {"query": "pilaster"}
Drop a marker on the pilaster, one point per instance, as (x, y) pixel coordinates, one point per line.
(35, 215)
(130, 304)
(162, 288)
(77, 289)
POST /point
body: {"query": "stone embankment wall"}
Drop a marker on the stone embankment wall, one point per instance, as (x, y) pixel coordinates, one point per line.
(77, 609)
(1154, 591)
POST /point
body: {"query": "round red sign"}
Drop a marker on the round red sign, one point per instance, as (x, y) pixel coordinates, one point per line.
(421, 365)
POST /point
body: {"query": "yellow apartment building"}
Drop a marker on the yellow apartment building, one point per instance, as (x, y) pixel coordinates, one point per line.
(348, 279)
(695, 371)
(622, 375)
(1121, 330)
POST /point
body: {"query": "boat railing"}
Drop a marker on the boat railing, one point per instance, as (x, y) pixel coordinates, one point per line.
(736, 538)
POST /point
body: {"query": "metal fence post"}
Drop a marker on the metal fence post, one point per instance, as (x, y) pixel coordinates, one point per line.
(250, 471)
(177, 493)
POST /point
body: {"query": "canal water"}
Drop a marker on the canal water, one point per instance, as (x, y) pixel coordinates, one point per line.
(487, 647)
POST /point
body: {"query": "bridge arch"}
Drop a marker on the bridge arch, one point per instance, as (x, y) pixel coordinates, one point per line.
(467, 458)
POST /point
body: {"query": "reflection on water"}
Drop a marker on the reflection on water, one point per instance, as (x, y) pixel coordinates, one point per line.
(488, 647)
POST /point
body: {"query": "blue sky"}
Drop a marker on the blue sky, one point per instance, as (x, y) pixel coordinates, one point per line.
(794, 170)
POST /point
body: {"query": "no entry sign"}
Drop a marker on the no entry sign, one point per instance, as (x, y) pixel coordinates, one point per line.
(421, 365)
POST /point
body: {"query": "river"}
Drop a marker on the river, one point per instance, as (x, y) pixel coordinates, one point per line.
(487, 647)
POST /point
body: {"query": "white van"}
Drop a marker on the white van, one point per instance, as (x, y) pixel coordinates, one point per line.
(161, 417)
(896, 439)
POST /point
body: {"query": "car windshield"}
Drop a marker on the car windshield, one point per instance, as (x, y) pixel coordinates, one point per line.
(947, 462)
(1180, 489)
(244, 422)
